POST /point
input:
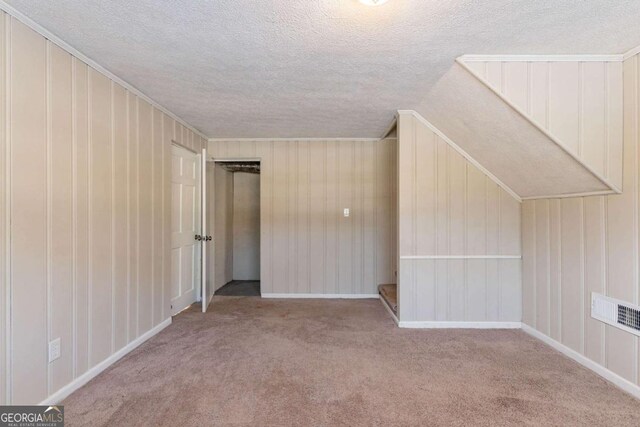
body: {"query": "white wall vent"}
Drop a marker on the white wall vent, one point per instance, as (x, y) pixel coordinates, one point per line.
(616, 313)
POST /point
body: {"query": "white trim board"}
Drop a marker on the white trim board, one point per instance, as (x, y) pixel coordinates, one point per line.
(461, 257)
(10, 10)
(542, 58)
(463, 153)
(605, 373)
(74, 385)
(553, 57)
(567, 195)
(320, 296)
(457, 325)
(293, 139)
(630, 53)
(540, 128)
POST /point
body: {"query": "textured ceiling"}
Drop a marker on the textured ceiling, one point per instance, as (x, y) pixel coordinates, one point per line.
(316, 68)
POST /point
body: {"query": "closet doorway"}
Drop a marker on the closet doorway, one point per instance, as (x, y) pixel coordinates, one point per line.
(234, 219)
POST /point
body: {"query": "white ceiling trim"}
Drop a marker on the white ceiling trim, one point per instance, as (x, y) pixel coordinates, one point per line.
(567, 195)
(542, 58)
(90, 62)
(602, 179)
(463, 153)
(294, 139)
(631, 52)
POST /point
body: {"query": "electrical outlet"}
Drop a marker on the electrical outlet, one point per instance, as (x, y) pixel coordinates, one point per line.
(54, 349)
(346, 212)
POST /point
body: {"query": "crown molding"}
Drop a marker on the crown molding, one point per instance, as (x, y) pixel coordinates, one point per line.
(631, 52)
(10, 10)
(292, 139)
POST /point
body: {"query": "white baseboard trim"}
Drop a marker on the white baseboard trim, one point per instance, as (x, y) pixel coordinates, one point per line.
(605, 373)
(321, 296)
(74, 385)
(458, 325)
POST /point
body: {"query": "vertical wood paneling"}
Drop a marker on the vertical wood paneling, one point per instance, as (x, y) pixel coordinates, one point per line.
(457, 273)
(280, 243)
(4, 208)
(307, 245)
(265, 152)
(89, 195)
(345, 225)
(447, 207)
(145, 208)
(302, 217)
(156, 211)
(572, 273)
(133, 214)
(442, 228)
(81, 215)
(28, 187)
(120, 219)
(564, 103)
(332, 217)
(555, 267)
(100, 217)
(317, 220)
(369, 227)
(580, 103)
(542, 265)
(594, 272)
(60, 213)
(593, 241)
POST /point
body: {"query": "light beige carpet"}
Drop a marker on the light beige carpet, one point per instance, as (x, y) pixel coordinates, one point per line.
(322, 363)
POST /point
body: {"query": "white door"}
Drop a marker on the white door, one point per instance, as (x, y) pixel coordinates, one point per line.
(207, 241)
(185, 226)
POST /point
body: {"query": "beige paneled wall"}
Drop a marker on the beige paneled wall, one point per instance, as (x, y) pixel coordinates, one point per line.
(579, 103)
(450, 212)
(307, 245)
(223, 226)
(4, 241)
(85, 167)
(573, 247)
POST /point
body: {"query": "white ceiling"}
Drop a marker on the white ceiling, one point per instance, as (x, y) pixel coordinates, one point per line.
(316, 68)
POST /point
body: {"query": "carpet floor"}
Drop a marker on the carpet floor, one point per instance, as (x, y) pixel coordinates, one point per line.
(250, 361)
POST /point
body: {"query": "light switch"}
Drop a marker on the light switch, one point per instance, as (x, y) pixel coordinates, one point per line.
(54, 349)
(346, 212)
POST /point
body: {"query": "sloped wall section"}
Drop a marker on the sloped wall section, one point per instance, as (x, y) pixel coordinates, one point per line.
(459, 235)
(521, 155)
(577, 101)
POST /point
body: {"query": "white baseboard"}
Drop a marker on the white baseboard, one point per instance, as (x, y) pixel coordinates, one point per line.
(458, 325)
(74, 385)
(605, 373)
(322, 296)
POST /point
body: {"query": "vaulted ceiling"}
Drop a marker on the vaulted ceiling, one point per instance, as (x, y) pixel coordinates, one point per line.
(318, 68)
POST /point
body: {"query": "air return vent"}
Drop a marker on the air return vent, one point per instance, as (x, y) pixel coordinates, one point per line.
(616, 313)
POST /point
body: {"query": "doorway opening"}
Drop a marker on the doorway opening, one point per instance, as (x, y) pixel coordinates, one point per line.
(235, 220)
